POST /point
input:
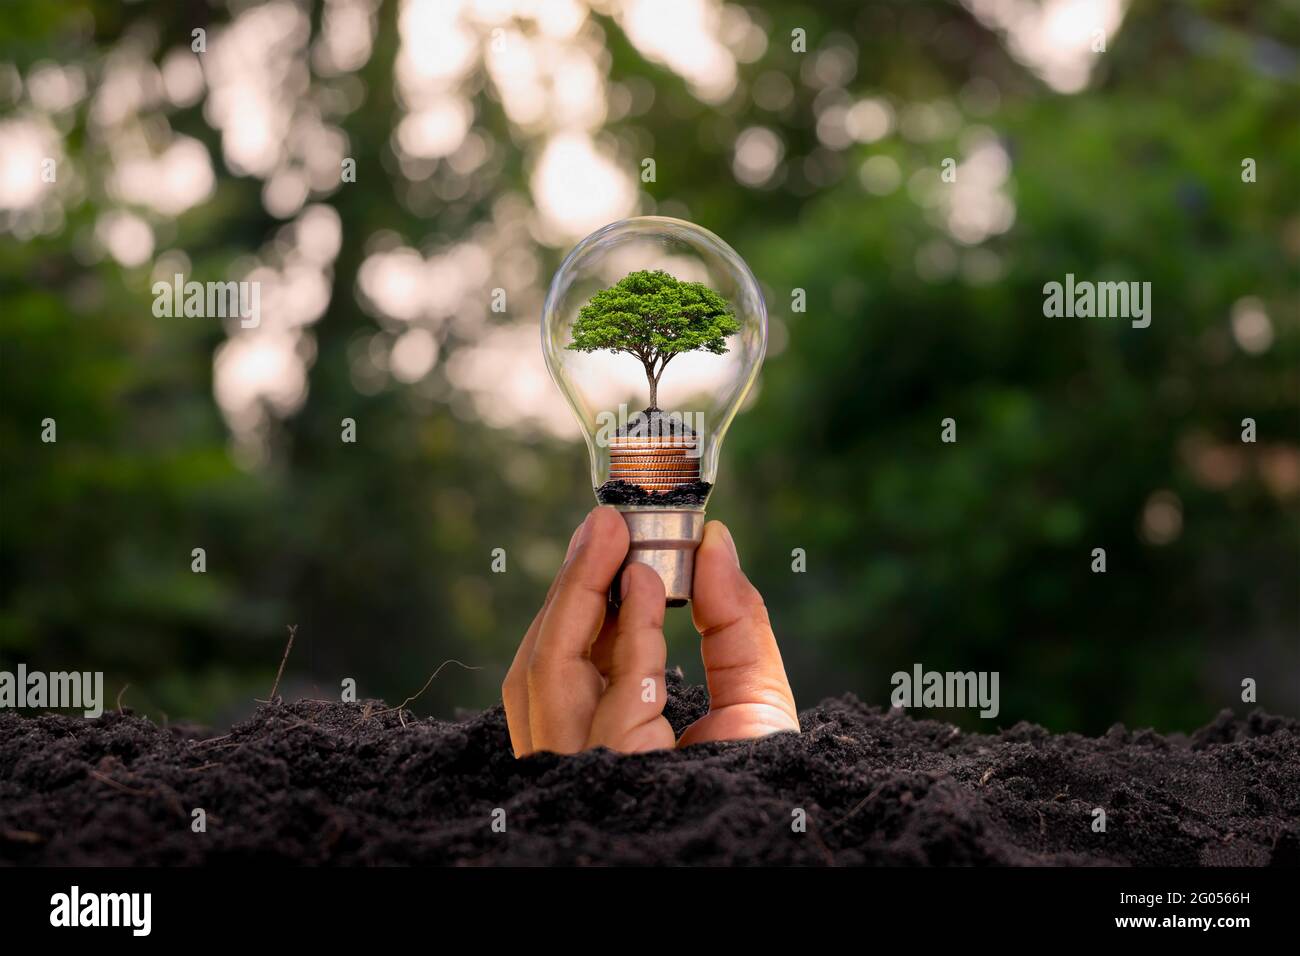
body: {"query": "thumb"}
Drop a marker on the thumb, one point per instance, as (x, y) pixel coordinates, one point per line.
(742, 662)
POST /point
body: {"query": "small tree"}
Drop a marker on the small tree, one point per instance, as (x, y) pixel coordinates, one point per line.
(654, 317)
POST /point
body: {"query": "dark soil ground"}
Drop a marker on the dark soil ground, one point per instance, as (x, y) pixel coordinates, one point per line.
(317, 782)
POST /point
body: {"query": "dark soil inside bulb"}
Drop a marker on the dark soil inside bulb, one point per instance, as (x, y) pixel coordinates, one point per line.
(693, 494)
(317, 782)
(654, 421)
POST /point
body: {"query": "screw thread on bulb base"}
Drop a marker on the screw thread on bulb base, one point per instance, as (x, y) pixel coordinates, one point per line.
(665, 539)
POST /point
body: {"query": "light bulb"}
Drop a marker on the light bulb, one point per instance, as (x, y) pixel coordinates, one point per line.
(654, 330)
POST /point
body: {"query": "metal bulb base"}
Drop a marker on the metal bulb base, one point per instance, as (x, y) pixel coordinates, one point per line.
(665, 539)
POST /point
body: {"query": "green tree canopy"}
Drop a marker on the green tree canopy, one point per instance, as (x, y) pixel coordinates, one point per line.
(654, 317)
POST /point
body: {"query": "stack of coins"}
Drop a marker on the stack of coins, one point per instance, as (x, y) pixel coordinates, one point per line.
(654, 462)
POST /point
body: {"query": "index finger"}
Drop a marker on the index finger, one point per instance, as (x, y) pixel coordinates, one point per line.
(563, 685)
(514, 689)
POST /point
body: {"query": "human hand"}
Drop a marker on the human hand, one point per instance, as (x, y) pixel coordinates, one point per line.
(587, 675)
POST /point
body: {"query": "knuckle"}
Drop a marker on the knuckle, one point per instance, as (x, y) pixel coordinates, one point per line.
(755, 607)
(539, 667)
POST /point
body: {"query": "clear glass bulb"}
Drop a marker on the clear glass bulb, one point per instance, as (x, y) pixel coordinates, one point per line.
(685, 322)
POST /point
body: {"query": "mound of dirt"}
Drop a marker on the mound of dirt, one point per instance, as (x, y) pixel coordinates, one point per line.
(324, 783)
(654, 422)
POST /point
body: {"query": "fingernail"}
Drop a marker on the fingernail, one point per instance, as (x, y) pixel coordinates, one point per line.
(624, 586)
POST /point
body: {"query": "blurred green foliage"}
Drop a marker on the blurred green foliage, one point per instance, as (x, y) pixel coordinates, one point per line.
(970, 555)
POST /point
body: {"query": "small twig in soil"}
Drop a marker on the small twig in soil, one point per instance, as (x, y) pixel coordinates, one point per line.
(162, 790)
(22, 836)
(105, 778)
(233, 743)
(293, 632)
(861, 803)
(119, 697)
(366, 715)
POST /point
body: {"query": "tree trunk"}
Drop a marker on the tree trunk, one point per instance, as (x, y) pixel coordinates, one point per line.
(652, 376)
